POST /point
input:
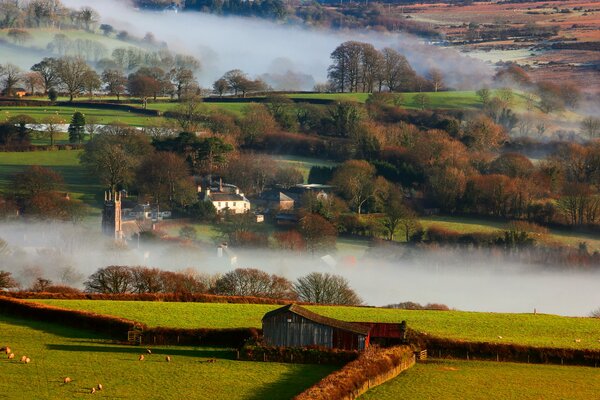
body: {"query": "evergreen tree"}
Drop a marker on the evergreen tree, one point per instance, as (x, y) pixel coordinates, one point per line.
(77, 128)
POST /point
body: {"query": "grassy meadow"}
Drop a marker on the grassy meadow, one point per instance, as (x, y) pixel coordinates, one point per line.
(527, 329)
(483, 380)
(77, 183)
(57, 352)
(479, 225)
(102, 116)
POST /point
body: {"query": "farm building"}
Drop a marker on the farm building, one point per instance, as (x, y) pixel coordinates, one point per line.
(295, 326)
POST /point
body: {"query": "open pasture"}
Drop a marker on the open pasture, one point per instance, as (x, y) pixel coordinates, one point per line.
(57, 352)
(526, 329)
(102, 116)
(66, 162)
(483, 380)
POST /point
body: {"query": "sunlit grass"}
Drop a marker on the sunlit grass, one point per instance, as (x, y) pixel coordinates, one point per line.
(473, 380)
(528, 329)
(57, 352)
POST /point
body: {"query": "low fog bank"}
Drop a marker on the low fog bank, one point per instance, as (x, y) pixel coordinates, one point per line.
(259, 46)
(68, 254)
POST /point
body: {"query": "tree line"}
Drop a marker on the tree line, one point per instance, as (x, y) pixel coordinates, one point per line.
(315, 287)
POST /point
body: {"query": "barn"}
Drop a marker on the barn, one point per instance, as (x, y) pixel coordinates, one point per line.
(295, 326)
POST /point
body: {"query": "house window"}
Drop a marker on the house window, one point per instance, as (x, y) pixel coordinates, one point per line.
(234, 204)
(219, 204)
(226, 204)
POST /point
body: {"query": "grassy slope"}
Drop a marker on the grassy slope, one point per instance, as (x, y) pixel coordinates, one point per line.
(57, 352)
(463, 380)
(472, 225)
(536, 330)
(103, 116)
(66, 162)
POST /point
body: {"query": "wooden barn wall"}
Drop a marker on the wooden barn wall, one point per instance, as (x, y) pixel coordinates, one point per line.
(298, 332)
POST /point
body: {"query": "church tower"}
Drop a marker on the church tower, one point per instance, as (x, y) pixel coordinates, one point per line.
(111, 215)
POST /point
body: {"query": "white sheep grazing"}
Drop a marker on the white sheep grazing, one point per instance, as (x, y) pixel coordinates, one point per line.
(67, 380)
(499, 337)
(148, 351)
(7, 350)
(11, 356)
(577, 340)
(93, 391)
(23, 358)
(100, 386)
(168, 358)
(141, 357)
(27, 360)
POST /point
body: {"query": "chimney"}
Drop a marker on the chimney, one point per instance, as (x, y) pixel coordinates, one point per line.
(220, 184)
(220, 251)
(199, 188)
(237, 190)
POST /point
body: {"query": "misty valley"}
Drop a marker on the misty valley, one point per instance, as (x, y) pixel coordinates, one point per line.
(273, 199)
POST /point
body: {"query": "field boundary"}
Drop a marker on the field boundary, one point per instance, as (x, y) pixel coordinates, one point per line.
(297, 355)
(372, 368)
(166, 297)
(117, 328)
(487, 351)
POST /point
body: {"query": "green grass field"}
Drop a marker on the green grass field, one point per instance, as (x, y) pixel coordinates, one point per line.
(303, 164)
(66, 162)
(235, 108)
(527, 329)
(474, 225)
(103, 116)
(472, 380)
(57, 352)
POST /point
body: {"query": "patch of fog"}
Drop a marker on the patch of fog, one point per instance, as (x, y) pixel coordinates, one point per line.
(259, 46)
(69, 253)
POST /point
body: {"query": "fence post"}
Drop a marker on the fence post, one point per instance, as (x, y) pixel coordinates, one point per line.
(467, 355)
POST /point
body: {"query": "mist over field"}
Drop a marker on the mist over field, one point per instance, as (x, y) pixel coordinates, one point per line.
(259, 46)
(67, 253)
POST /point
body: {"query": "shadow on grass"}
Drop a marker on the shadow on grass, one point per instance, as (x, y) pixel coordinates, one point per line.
(54, 329)
(157, 353)
(292, 383)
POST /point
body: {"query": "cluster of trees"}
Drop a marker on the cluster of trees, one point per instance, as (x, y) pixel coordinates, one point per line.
(45, 13)
(322, 288)
(237, 82)
(37, 192)
(360, 67)
(73, 76)
(271, 9)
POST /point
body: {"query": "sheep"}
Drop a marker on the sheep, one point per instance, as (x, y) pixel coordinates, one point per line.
(23, 358)
(577, 340)
(168, 358)
(141, 357)
(100, 387)
(93, 391)
(27, 360)
(67, 380)
(11, 356)
(7, 350)
(148, 351)
(499, 337)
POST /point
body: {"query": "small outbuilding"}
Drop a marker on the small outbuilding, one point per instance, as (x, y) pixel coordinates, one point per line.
(295, 326)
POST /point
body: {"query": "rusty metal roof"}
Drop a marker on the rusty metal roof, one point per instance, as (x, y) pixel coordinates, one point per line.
(320, 319)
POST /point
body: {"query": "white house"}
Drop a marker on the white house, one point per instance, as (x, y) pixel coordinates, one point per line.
(227, 198)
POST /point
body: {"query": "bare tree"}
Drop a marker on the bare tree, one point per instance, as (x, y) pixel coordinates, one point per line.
(253, 282)
(51, 127)
(324, 288)
(112, 279)
(73, 73)
(10, 76)
(590, 127)
(6, 280)
(33, 80)
(115, 82)
(47, 70)
(437, 79)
